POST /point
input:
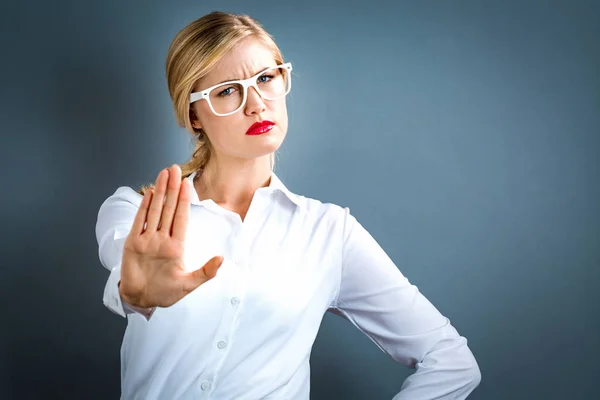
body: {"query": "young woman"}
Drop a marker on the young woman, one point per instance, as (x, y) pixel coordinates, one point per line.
(224, 274)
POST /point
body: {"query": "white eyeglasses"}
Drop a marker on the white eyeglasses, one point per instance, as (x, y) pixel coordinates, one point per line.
(229, 97)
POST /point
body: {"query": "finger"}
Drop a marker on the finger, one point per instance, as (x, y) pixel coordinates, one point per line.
(207, 272)
(140, 218)
(158, 197)
(172, 197)
(182, 214)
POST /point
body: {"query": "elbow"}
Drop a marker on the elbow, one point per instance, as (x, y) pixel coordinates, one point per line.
(470, 372)
(465, 362)
(474, 376)
(467, 367)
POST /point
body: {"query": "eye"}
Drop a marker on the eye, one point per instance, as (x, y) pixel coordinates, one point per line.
(227, 92)
(265, 78)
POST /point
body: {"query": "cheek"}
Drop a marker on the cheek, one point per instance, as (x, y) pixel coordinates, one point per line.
(224, 130)
(202, 113)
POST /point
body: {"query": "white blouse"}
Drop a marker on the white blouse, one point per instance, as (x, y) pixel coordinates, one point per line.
(247, 333)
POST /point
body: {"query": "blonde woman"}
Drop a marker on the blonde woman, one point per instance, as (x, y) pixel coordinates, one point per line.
(224, 274)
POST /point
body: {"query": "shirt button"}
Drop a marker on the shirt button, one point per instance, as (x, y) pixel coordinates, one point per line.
(221, 344)
(205, 386)
(235, 301)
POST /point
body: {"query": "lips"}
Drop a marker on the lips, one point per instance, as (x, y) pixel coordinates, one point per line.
(258, 128)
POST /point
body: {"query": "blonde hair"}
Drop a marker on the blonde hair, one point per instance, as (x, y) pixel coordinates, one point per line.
(193, 53)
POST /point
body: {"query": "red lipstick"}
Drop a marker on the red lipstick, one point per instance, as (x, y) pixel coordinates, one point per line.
(258, 128)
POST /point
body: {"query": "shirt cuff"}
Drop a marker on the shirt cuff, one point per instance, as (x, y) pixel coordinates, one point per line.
(113, 301)
(130, 309)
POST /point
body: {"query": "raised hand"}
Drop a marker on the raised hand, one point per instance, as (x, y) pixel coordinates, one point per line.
(152, 269)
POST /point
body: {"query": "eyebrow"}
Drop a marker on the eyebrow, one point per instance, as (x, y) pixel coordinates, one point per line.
(237, 79)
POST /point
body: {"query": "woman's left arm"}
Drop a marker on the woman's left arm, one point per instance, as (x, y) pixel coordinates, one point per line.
(378, 299)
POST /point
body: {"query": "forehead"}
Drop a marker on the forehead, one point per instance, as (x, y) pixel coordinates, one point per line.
(246, 59)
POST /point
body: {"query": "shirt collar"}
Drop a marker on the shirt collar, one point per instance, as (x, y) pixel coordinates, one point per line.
(276, 185)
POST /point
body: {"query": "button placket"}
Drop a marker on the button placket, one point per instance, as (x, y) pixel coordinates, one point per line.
(235, 294)
(237, 249)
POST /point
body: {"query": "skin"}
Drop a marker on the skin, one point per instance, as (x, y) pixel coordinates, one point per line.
(152, 269)
(240, 163)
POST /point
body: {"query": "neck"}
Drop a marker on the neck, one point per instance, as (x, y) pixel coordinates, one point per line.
(231, 183)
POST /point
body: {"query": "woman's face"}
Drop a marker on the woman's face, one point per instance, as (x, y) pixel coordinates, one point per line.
(227, 134)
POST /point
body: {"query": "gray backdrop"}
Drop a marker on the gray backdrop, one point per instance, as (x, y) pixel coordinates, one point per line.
(464, 135)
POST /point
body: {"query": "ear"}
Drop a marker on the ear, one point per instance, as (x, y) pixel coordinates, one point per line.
(194, 119)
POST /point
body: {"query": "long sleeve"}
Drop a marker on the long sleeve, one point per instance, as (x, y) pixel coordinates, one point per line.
(114, 222)
(380, 301)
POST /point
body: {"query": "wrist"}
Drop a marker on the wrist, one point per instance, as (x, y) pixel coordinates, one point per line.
(124, 297)
(132, 302)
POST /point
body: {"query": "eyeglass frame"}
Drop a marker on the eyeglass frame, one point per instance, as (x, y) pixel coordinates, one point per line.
(245, 83)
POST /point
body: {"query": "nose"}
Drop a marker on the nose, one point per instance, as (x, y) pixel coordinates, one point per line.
(254, 102)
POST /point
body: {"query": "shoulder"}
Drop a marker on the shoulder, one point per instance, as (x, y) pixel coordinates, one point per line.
(120, 207)
(117, 213)
(323, 211)
(123, 194)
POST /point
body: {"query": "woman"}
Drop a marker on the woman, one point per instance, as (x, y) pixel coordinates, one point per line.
(225, 275)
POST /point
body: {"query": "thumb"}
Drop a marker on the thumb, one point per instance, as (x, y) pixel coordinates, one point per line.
(207, 272)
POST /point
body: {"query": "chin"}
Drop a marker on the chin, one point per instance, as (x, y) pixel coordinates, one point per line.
(267, 145)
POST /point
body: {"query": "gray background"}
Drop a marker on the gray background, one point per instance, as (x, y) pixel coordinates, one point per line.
(464, 135)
